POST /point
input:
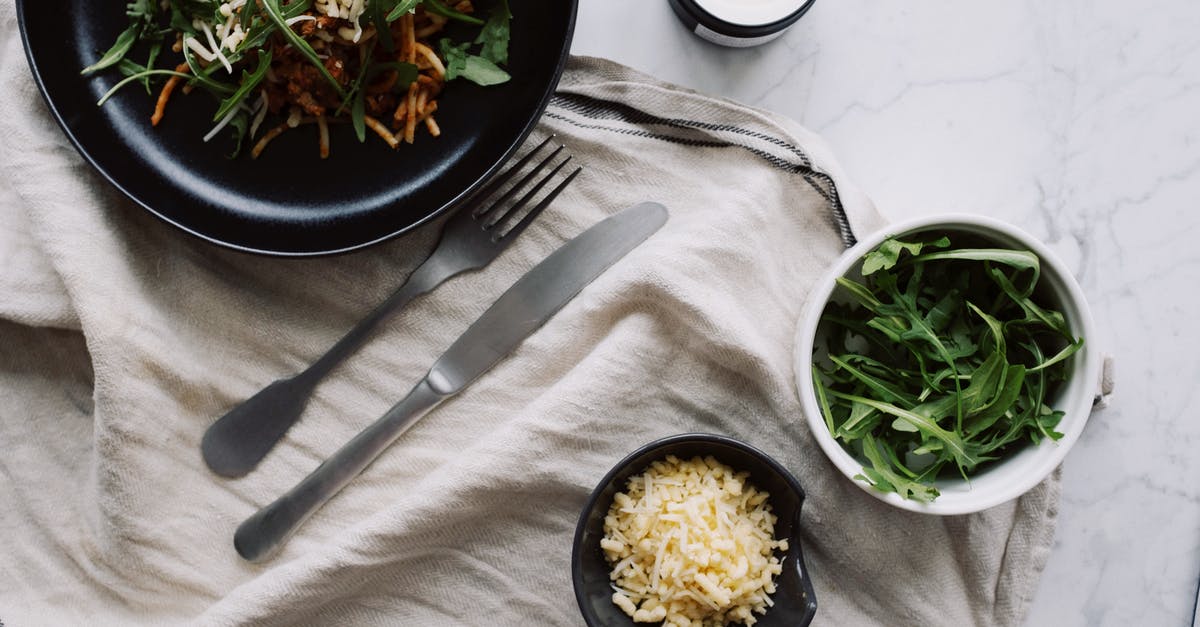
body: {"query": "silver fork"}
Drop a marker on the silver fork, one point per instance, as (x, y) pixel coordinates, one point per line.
(472, 238)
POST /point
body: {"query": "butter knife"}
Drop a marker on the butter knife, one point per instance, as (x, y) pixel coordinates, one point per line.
(520, 311)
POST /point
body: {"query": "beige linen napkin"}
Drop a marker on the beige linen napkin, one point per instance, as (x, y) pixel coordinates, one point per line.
(122, 338)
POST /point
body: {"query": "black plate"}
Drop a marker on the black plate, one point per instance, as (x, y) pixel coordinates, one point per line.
(288, 201)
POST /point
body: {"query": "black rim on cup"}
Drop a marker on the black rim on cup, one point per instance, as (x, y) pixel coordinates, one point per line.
(692, 14)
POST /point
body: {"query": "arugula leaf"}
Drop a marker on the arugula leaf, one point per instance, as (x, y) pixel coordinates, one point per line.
(184, 11)
(261, 29)
(402, 7)
(275, 12)
(241, 128)
(144, 10)
(886, 390)
(155, 50)
(888, 253)
(941, 360)
(250, 80)
(119, 49)
(246, 18)
(882, 475)
(383, 32)
(358, 100)
(494, 35)
(128, 67)
(437, 8)
(462, 64)
(358, 115)
(926, 425)
(406, 73)
(480, 71)
(454, 57)
(142, 14)
(137, 76)
(203, 76)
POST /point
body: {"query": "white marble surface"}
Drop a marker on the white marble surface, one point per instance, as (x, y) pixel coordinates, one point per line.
(1077, 120)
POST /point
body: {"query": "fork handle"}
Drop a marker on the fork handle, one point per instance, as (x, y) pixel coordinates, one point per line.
(423, 279)
(235, 444)
(264, 532)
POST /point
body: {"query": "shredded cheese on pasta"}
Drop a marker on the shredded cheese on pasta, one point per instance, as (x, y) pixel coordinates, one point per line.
(346, 9)
(691, 543)
(228, 34)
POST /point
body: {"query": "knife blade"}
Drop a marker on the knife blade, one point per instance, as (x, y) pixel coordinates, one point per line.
(519, 312)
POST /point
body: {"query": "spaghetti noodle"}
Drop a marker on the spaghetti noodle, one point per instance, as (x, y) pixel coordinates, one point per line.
(380, 64)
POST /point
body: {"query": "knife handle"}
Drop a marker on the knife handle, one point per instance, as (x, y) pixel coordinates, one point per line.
(262, 533)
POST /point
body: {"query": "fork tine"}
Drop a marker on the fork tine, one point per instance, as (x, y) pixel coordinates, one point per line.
(502, 178)
(508, 173)
(524, 200)
(499, 202)
(541, 206)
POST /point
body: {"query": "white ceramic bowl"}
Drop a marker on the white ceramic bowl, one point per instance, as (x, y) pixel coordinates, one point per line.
(1008, 478)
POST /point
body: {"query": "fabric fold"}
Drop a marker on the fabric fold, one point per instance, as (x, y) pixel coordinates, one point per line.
(123, 339)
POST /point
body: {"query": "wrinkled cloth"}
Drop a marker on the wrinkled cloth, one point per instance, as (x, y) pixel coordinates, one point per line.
(122, 339)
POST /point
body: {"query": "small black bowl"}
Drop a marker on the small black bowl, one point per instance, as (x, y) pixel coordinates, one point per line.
(795, 601)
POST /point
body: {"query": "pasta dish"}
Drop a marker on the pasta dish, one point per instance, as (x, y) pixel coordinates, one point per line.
(381, 65)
